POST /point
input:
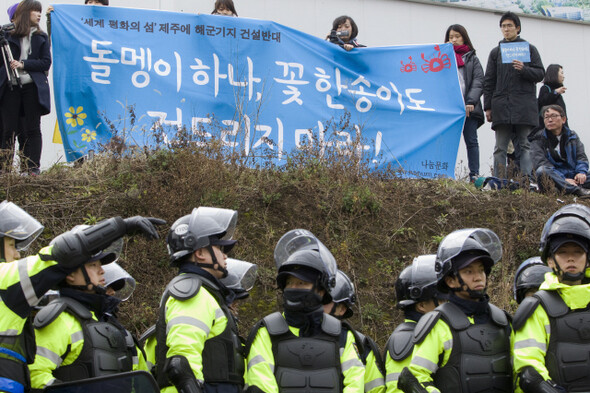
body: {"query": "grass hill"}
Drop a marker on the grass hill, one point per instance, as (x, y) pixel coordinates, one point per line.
(374, 223)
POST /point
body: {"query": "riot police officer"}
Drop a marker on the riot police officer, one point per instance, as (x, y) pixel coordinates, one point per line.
(25, 281)
(417, 294)
(464, 345)
(195, 344)
(343, 297)
(528, 278)
(285, 348)
(551, 342)
(17, 231)
(78, 335)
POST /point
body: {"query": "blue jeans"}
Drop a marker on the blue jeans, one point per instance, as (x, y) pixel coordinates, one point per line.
(470, 137)
(504, 134)
(558, 178)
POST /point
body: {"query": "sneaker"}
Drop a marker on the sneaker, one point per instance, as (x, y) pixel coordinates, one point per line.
(582, 192)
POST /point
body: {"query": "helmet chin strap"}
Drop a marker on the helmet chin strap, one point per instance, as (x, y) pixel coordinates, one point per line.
(215, 265)
(99, 290)
(3, 250)
(464, 287)
(566, 276)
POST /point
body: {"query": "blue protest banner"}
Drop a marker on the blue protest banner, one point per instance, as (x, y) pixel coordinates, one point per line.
(270, 87)
(515, 51)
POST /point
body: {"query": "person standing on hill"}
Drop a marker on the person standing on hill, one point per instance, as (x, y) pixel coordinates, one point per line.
(510, 95)
(552, 91)
(471, 80)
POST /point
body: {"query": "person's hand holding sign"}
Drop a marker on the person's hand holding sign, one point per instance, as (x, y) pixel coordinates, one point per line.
(518, 65)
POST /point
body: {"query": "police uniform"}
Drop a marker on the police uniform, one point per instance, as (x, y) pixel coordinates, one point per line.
(22, 284)
(398, 349)
(73, 345)
(453, 354)
(279, 360)
(371, 358)
(196, 323)
(552, 335)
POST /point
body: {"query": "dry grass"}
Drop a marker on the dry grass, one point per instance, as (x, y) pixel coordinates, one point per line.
(375, 223)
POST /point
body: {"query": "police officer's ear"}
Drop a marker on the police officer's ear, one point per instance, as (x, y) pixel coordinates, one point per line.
(452, 281)
(551, 262)
(199, 255)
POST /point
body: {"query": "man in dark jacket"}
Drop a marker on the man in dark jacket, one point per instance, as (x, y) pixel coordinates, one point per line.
(558, 154)
(510, 99)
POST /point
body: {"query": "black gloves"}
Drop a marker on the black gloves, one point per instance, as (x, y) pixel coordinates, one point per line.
(531, 381)
(144, 225)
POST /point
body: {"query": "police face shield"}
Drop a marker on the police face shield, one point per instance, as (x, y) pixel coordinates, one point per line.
(119, 281)
(294, 240)
(208, 221)
(241, 274)
(558, 223)
(19, 225)
(424, 277)
(479, 239)
(343, 291)
(523, 266)
(302, 239)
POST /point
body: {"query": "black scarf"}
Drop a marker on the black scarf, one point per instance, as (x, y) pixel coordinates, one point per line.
(478, 309)
(309, 324)
(413, 315)
(189, 267)
(552, 144)
(104, 307)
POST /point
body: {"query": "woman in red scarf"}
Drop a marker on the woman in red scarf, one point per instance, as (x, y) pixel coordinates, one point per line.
(471, 80)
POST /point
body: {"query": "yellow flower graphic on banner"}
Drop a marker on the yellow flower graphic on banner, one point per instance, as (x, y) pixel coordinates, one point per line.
(88, 135)
(75, 116)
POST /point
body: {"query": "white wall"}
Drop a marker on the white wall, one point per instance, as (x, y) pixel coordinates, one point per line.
(396, 22)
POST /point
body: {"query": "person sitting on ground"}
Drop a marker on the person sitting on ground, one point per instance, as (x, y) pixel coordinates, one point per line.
(224, 7)
(558, 155)
(344, 32)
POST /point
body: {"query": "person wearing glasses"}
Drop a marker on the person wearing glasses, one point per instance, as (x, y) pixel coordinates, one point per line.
(558, 155)
(510, 94)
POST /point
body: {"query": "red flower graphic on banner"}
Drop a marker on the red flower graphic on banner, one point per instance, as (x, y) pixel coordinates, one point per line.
(409, 67)
(437, 62)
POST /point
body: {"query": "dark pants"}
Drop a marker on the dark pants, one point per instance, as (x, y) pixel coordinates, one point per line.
(16, 103)
(558, 179)
(470, 137)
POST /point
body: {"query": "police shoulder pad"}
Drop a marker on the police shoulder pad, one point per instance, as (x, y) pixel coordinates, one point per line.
(552, 303)
(400, 343)
(425, 325)
(498, 315)
(358, 336)
(453, 315)
(525, 310)
(147, 334)
(276, 324)
(331, 325)
(50, 312)
(185, 286)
